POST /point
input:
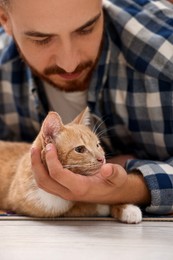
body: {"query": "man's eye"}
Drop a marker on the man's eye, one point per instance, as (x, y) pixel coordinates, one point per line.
(85, 31)
(80, 149)
(42, 42)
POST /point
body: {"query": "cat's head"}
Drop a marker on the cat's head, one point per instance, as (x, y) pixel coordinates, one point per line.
(78, 147)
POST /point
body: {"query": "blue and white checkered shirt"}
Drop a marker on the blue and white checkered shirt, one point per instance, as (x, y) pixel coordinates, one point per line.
(131, 92)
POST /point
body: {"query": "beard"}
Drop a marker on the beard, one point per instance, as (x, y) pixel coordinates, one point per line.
(49, 73)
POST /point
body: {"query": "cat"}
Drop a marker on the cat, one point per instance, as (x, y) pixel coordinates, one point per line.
(79, 150)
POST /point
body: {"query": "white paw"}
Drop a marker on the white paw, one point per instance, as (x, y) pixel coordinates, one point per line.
(131, 214)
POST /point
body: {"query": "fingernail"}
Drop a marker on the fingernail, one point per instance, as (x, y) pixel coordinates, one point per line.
(32, 149)
(48, 147)
(107, 174)
(108, 170)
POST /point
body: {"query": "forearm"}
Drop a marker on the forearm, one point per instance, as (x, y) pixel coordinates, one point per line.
(135, 190)
(120, 188)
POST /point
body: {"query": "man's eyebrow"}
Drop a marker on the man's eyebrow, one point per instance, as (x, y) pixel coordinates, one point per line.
(44, 35)
(38, 34)
(89, 23)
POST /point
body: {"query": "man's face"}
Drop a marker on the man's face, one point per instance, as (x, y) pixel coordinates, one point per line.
(59, 39)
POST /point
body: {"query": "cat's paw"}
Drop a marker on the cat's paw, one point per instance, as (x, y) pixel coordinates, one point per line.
(131, 214)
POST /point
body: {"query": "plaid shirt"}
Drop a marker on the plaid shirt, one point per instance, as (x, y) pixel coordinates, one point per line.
(130, 94)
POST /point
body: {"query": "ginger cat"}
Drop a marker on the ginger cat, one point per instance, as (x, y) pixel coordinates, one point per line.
(78, 150)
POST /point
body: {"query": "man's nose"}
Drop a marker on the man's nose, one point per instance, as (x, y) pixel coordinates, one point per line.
(67, 57)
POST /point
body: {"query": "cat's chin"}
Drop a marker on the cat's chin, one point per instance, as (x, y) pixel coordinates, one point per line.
(86, 171)
(96, 171)
(93, 172)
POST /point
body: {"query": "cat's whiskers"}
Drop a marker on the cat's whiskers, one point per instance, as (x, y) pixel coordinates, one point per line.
(108, 155)
(91, 169)
(97, 125)
(78, 165)
(99, 134)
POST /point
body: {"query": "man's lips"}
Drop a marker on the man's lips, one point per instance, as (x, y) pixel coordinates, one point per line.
(70, 76)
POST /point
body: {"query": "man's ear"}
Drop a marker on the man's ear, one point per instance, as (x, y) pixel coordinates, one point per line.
(5, 21)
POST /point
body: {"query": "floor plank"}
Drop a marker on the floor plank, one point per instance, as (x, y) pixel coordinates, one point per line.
(85, 240)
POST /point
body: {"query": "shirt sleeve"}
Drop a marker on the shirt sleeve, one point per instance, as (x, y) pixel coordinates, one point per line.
(159, 179)
(146, 32)
(145, 29)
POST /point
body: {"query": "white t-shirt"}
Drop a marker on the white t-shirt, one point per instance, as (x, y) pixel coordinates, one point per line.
(67, 104)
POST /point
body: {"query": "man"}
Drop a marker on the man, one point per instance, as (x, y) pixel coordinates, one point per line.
(115, 56)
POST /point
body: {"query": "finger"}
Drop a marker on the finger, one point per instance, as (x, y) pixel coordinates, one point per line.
(55, 168)
(36, 163)
(41, 175)
(73, 182)
(114, 174)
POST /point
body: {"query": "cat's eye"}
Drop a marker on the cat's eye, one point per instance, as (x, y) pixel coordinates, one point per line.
(98, 145)
(80, 149)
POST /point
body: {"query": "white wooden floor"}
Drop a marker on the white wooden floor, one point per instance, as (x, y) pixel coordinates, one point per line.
(85, 240)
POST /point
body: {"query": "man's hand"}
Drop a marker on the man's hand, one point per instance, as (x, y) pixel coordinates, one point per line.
(111, 185)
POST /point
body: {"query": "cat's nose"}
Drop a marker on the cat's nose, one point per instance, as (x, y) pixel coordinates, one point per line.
(101, 159)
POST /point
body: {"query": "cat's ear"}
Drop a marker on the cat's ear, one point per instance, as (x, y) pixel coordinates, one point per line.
(51, 127)
(83, 118)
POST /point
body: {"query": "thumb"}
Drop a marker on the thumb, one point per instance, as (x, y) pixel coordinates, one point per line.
(114, 174)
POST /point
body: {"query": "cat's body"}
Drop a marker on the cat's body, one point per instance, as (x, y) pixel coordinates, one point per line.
(78, 150)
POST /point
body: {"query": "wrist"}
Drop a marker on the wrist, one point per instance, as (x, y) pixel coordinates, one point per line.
(135, 190)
